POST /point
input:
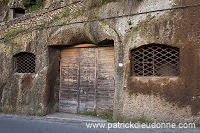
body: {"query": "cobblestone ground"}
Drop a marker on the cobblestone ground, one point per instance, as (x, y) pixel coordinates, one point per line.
(77, 123)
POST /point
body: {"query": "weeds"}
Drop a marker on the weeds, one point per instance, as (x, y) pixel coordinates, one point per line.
(94, 15)
(142, 119)
(12, 33)
(27, 3)
(55, 17)
(77, 12)
(98, 3)
(108, 117)
(43, 21)
(88, 113)
(35, 114)
(34, 8)
(105, 116)
(65, 12)
(197, 123)
(3, 0)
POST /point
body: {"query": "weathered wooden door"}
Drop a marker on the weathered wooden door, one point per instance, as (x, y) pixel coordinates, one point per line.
(87, 79)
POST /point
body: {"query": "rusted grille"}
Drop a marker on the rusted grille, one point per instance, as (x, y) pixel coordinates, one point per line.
(155, 60)
(25, 63)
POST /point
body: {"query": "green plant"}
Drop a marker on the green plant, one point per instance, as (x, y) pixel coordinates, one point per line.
(55, 17)
(108, 117)
(65, 12)
(34, 8)
(28, 3)
(43, 21)
(39, 114)
(197, 123)
(141, 119)
(3, 0)
(88, 113)
(12, 33)
(35, 114)
(77, 12)
(98, 3)
(94, 15)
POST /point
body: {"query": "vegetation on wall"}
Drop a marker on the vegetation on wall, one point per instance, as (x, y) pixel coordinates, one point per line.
(12, 33)
(77, 12)
(55, 17)
(98, 3)
(28, 3)
(43, 21)
(35, 7)
(32, 5)
(3, 1)
(65, 12)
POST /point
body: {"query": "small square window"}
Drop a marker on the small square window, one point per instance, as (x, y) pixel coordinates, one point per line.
(18, 12)
(24, 63)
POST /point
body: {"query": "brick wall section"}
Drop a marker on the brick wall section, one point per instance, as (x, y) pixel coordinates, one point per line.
(33, 19)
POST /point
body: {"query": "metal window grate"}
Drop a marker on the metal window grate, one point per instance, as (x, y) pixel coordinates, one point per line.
(25, 63)
(155, 60)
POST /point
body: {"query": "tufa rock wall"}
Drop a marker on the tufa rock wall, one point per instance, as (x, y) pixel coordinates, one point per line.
(36, 18)
(166, 99)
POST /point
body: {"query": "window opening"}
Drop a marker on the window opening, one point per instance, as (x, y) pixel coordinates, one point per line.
(25, 63)
(18, 12)
(155, 60)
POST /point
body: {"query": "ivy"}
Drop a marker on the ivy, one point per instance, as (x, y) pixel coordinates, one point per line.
(28, 3)
(3, 0)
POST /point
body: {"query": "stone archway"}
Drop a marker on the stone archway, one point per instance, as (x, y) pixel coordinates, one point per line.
(70, 35)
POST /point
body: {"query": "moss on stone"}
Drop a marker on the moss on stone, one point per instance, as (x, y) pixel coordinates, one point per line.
(98, 3)
(3, 0)
(12, 33)
(36, 7)
(65, 12)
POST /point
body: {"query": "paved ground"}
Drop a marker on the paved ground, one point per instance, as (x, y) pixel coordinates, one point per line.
(64, 123)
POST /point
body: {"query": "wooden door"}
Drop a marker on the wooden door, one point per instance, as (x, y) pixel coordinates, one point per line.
(87, 79)
(69, 82)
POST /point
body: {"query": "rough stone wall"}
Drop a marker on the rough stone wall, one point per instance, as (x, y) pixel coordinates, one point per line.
(15, 4)
(23, 93)
(165, 99)
(36, 18)
(157, 98)
(53, 79)
(4, 11)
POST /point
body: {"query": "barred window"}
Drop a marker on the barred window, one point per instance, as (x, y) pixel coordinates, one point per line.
(155, 60)
(24, 62)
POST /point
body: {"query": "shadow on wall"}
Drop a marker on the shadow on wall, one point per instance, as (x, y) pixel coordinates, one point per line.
(51, 96)
(2, 85)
